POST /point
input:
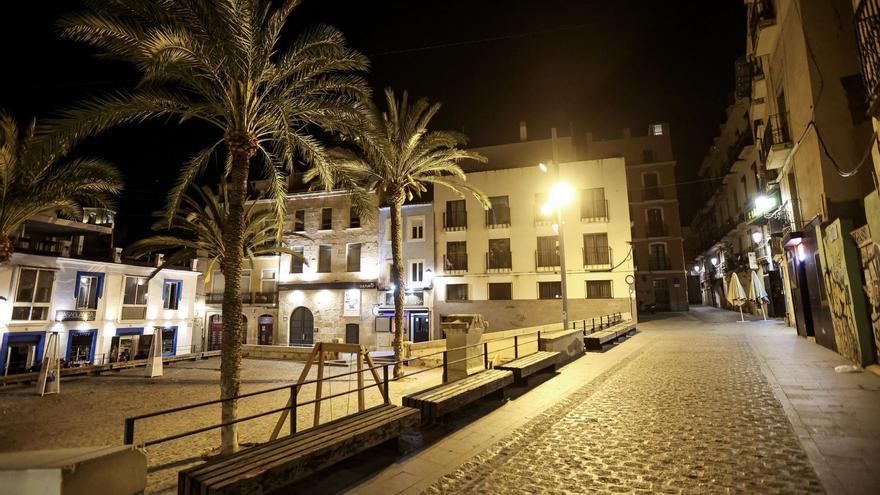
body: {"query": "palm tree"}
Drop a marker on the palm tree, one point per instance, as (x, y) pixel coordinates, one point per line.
(34, 181)
(222, 62)
(397, 157)
(197, 231)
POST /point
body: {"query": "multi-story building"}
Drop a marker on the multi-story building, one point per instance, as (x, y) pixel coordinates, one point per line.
(657, 239)
(418, 259)
(504, 263)
(731, 232)
(807, 113)
(66, 277)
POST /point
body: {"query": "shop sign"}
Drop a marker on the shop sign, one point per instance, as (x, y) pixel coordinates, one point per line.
(351, 303)
(753, 261)
(371, 284)
(75, 315)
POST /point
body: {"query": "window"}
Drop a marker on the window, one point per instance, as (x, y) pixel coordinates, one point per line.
(88, 290)
(456, 256)
(33, 295)
(499, 257)
(326, 218)
(456, 292)
(325, 254)
(245, 282)
(297, 260)
(455, 217)
(268, 281)
(593, 204)
(502, 291)
(656, 226)
(547, 255)
(416, 228)
(171, 292)
(657, 257)
(134, 298)
(354, 219)
(656, 129)
(353, 258)
(549, 290)
(599, 289)
(499, 213)
(596, 250)
(417, 271)
(651, 186)
(299, 221)
(647, 156)
(169, 341)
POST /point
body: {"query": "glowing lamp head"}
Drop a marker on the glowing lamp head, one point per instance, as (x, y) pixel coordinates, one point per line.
(757, 237)
(763, 204)
(547, 209)
(561, 193)
(543, 167)
(714, 261)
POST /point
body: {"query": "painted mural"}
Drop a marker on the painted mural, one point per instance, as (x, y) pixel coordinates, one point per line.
(843, 281)
(869, 253)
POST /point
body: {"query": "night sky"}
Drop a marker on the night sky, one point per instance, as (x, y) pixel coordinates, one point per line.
(597, 65)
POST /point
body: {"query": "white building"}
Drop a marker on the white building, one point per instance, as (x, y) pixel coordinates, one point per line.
(504, 263)
(102, 309)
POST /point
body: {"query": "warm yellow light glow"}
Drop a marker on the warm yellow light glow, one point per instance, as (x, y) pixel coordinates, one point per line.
(542, 166)
(547, 209)
(561, 193)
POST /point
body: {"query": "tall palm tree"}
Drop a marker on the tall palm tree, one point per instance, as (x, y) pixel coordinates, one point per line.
(197, 231)
(397, 157)
(223, 62)
(34, 180)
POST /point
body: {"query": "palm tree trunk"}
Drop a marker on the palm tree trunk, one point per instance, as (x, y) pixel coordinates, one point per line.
(230, 355)
(397, 277)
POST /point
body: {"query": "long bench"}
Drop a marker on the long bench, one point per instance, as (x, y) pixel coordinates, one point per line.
(604, 339)
(273, 465)
(442, 399)
(526, 366)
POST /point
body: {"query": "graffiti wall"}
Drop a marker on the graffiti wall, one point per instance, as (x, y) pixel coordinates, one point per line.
(846, 300)
(869, 255)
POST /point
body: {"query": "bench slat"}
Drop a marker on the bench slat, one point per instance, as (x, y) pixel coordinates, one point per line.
(531, 364)
(439, 400)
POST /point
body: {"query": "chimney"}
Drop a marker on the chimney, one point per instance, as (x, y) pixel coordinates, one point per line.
(523, 131)
(160, 259)
(117, 255)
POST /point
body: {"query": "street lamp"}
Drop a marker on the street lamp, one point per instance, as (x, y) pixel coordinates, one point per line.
(560, 194)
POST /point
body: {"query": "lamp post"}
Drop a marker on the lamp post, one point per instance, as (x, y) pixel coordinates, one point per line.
(560, 194)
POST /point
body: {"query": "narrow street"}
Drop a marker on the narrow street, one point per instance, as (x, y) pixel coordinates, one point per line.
(695, 403)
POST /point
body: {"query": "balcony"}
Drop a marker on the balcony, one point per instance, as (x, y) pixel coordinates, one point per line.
(748, 72)
(455, 262)
(498, 217)
(255, 298)
(867, 28)
(546, 260)
(652, 194)
(594, 211)
(776, 142)
(597, 257)
(499, 261)
(455, 220)
(763, 28)
(656, 262)
(654, 229)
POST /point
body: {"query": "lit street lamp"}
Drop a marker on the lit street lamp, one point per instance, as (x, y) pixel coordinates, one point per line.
(560, 195)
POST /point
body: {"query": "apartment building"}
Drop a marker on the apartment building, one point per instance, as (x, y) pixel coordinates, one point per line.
(657, 240)
(67, 278)
(807, 112)
(418, 260)
(504, 263)
(730, 229)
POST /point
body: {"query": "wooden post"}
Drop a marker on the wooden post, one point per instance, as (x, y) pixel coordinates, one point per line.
(445, 366)
(360, 375)
(382, 388)
(292, 402)
(318, 384)
(302, 378)
(516, 347)
(485, 355)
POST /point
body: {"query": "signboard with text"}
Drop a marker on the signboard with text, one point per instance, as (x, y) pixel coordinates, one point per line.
(351, 303)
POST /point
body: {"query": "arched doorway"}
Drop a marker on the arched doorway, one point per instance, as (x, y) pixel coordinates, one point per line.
(264, 329)
(302, 327)
(215, 332)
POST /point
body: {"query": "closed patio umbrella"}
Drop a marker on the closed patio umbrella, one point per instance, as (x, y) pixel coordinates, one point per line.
(736, 295)
(757, 292)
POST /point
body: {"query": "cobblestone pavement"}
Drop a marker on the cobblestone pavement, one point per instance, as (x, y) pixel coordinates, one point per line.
(90, 411)
(691, 413)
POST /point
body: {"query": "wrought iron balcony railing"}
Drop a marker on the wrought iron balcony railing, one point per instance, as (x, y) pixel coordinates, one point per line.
(867, 28)
(502, 260)
(546, 259)
(760, 11)
(455, 262)
(455, 220)
(498, 216)
(775, 132)
(656, 229)
(594, 211)
(596, 257)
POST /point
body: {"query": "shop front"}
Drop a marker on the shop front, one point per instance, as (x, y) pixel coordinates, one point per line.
(21, 352)
(416, 316)
(81, 347)
(129, 344)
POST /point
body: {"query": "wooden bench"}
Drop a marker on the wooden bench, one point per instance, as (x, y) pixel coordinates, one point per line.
(526, 366)
(442, 399)
(601, 340)
(273, 465)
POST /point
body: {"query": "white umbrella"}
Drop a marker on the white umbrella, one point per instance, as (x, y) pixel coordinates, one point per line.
(736, 295)
(757, 292)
